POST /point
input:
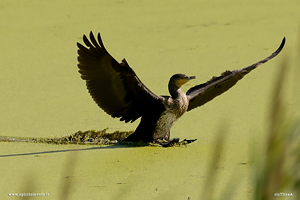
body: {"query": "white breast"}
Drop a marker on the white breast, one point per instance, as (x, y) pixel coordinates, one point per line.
(164, 124)
(175, 108)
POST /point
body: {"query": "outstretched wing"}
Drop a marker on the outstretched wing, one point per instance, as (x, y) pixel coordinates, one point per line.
(205, 92)
(114, 86)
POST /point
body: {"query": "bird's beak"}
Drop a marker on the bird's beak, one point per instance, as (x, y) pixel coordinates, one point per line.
(188, 78)
(191, 77)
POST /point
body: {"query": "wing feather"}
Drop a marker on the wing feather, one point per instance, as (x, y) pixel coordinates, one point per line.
(203, 93)
(114, 86)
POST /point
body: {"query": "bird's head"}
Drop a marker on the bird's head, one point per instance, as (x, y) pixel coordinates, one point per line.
(178, 80)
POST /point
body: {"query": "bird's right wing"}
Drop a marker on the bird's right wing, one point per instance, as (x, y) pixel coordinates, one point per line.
(114, 86)
(205, 92)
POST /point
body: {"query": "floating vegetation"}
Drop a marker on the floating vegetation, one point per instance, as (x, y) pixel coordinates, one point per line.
(92, 137)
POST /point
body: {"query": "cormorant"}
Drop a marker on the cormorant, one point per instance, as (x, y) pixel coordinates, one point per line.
(116, 89)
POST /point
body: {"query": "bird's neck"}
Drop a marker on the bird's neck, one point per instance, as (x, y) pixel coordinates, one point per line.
(174, 91)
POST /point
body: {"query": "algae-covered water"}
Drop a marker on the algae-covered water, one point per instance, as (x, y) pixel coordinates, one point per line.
(42, 94)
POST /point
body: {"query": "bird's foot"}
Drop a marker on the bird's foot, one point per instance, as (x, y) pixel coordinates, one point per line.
(174, 142)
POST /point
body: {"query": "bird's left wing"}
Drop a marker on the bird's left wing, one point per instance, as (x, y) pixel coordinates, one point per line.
(114, 86)
(205, 92)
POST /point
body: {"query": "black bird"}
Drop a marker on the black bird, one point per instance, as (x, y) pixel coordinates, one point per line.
(116, 89)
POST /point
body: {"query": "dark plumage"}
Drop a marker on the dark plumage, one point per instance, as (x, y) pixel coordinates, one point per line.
(120, 93)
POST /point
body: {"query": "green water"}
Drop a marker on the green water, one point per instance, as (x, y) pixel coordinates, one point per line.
(42, 94)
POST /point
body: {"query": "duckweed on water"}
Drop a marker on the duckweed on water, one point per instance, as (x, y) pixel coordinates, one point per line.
(92, 137)
(87, 137)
